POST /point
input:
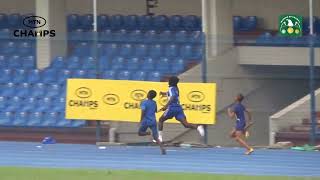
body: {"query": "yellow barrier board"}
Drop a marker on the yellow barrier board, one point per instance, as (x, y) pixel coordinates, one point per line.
(113, 100)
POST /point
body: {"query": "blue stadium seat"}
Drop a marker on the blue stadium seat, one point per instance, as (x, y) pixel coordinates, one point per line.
(126, 50)
(135, 36)
(73, 22)
(279, 40)
(36, 118)
(28, 62)
(104, 63)
(49, 76)
(14, 104)
(141, 50)
(76, 35)
(53, 90)
(148, 64)
(20, 119)
(145, 22)
(133, 64)
(163, 65)
(251, 23)
(192, 23)
(86, 22)
(175, 23)
(116, 22)
(8, 90)
(6, 75)
(139, 76)
(91, 74)
(19, 76)
(62, 122)
(5, 34)
(79, 74)
(156, 50)
(118, 63)
(181, 36)
(82, 49)
(14, 62)
(3, 102)
(154, 76)
(106, 35)
(177, 66)
(3, 62)
(237, 23)
(6, 118)
(24, 90)
(150, 36)
(124, 75)
(38, 90)
(198, 53)
(58, 63)
(130, 22)
(89, 63)
(186, 51)
(77, 123)
(34, 76)
(29, 104)
(197, 37)
(14, 21)
(25, 48)
(63, 75)
(166, 36)
(50, 119)
(3, 20)
(103, 22)
(59, 104)
(160, 22)
(8, 48)
(306, 25)
(171, 50)
(73, 62)
(108, 75)
(265, 39)
(120, 35)
(111, 49)
(44, 104)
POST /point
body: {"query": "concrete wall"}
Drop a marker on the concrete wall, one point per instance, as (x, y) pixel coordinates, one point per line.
(169, 7)
(268, 11)
(292, 115)
(276, 55)
(17, 6)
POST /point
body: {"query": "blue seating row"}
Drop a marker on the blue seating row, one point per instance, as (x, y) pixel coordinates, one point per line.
(17, 62)
(17, 48)
(37, 119)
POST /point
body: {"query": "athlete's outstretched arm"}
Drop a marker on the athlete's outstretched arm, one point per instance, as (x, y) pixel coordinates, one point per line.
(165, 107)
(231, 113)
(249, 115)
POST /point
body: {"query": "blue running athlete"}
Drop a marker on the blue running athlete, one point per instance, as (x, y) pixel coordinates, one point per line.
(174, 109)
(148, 119)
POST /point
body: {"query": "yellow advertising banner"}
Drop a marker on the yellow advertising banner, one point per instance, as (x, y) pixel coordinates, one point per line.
(114, 100)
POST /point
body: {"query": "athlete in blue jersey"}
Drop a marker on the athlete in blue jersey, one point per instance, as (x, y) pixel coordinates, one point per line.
(148, 119)
(237, 112)
(174, 109)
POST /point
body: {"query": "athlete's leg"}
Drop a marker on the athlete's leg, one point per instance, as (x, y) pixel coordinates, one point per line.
(183, 120)
(156, 138)
(143, 130)
(243, 143)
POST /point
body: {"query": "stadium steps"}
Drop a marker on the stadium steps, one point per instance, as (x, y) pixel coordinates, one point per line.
(86, 135)
(298, 134)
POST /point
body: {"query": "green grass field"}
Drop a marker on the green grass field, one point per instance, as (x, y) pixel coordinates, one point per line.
(13, 173)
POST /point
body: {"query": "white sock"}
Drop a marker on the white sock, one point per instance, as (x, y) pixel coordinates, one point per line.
(200, 129)
(160, 136)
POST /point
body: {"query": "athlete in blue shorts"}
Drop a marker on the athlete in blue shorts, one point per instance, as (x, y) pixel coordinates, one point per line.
(148, 119)
(174, 109)
(237, 111)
